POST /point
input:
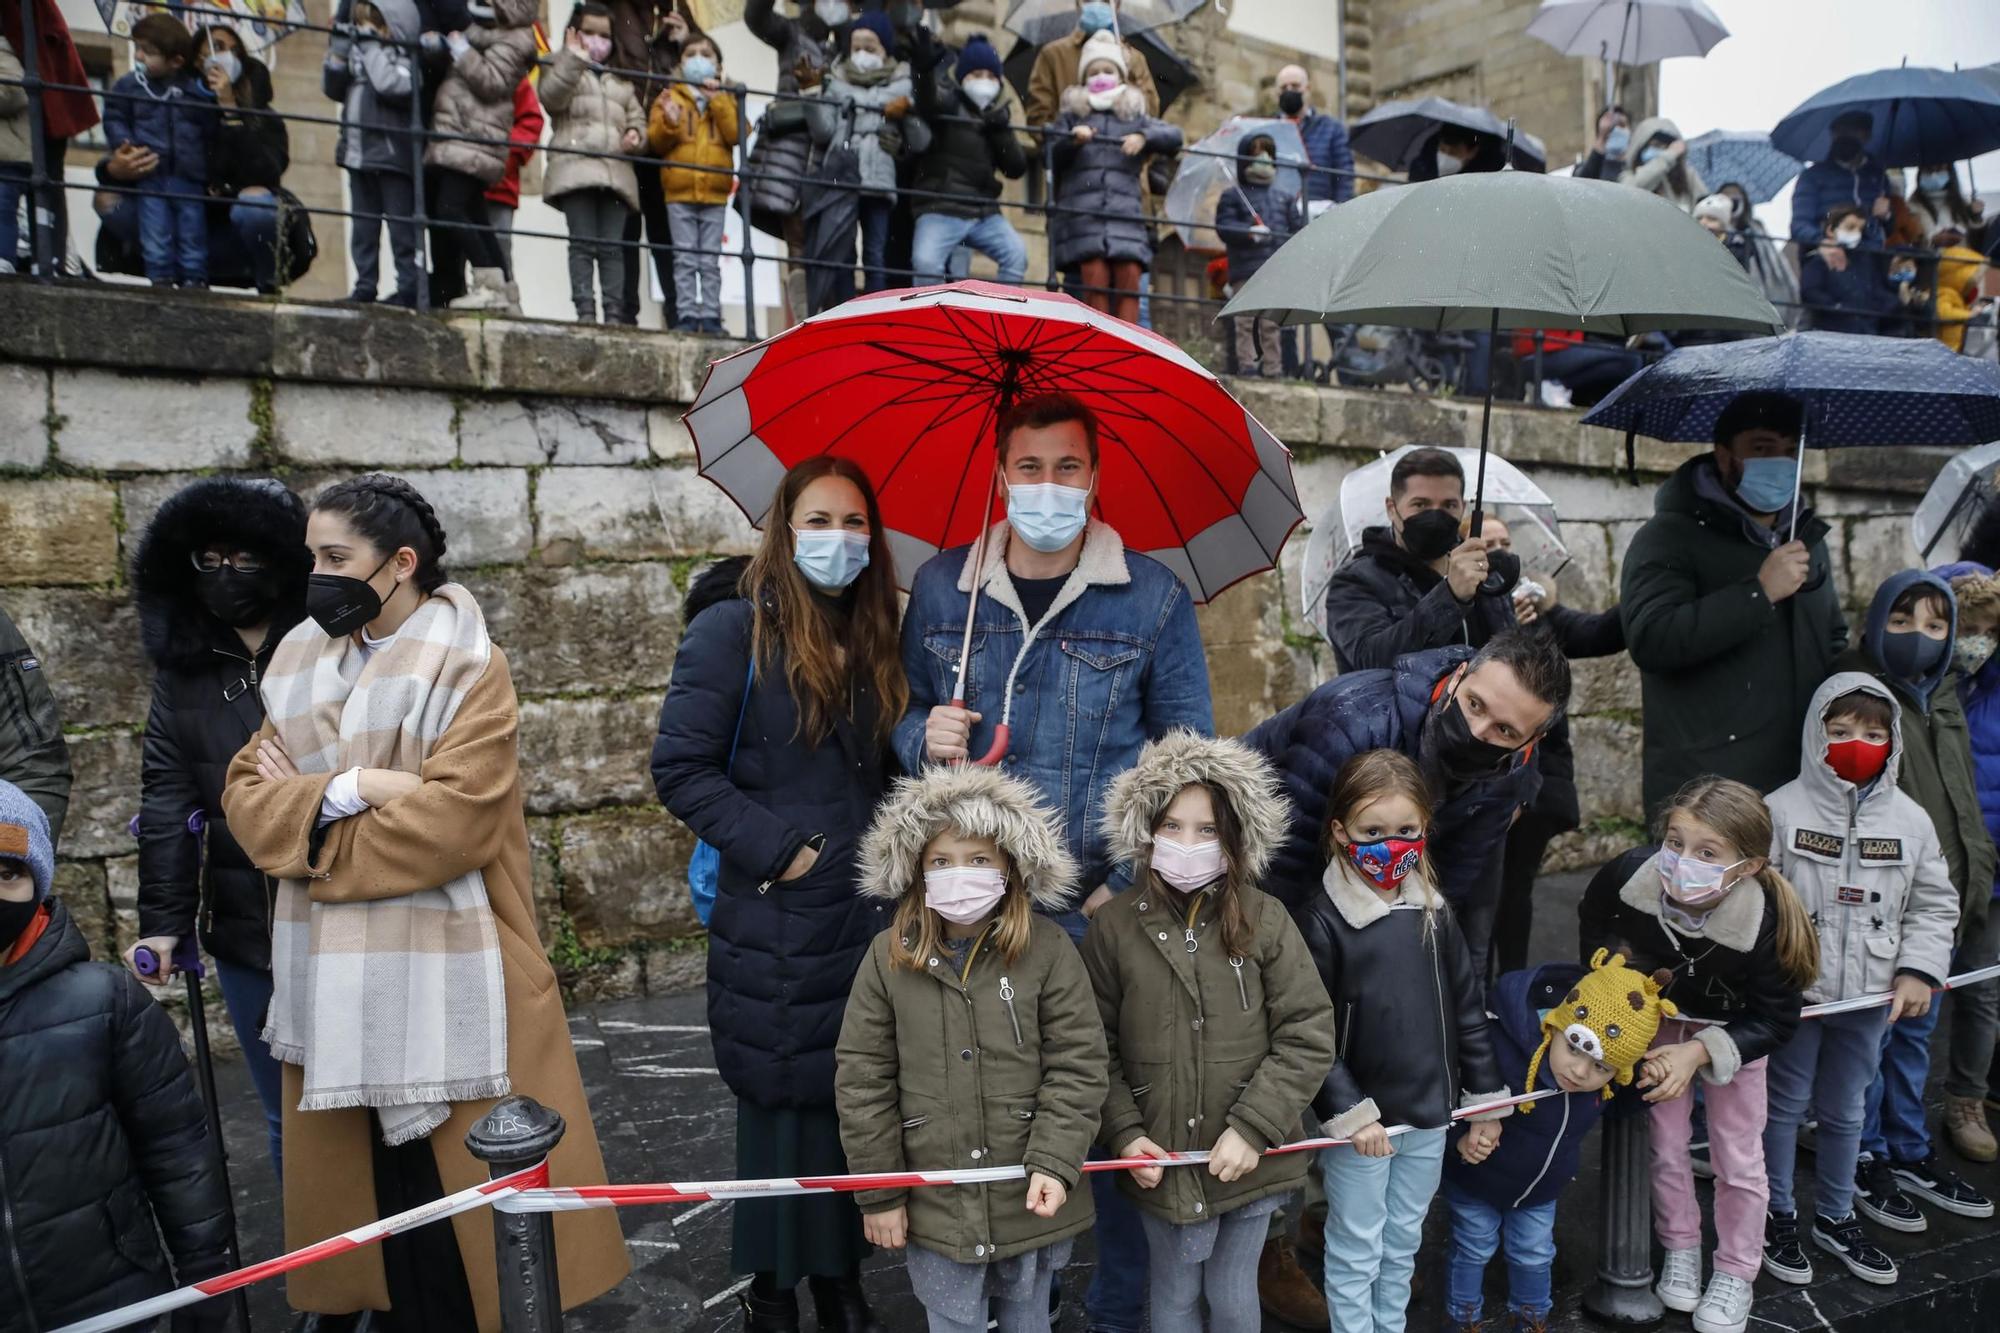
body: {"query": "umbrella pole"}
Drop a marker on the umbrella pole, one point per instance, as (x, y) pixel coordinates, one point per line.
(1798, 482)
(1009, 391)
(1485, 423)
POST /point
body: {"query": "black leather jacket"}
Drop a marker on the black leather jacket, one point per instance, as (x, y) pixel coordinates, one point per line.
(1411, 1043)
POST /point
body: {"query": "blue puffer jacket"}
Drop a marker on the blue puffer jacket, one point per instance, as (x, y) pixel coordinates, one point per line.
(1823, 185)
(176, 121)
(1982, 718)
(1537, 1156)
(1326, 146)
(1385, 710)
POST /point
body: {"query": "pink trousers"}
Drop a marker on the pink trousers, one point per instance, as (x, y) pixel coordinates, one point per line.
(1736, 1115)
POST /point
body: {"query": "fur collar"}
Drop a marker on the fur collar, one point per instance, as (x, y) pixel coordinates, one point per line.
(1245, 779)
(1130, 104)
(1733, 925)
(1101, 564)
(983, 802)
(177, 631)
(1361, 906)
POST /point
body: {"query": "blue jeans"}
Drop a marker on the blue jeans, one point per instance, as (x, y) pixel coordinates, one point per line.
(938, 234)
(173, 230)
(1893, 1126)
(13, 184)
(876, 210)
(1476, 1231)
(245, 242)
(1826, 1066)
(246, 993)
(1116, 1301)
(1375, 1210)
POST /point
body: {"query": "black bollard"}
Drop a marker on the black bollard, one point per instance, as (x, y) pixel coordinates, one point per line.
(514, 1135)
(1623, 1290)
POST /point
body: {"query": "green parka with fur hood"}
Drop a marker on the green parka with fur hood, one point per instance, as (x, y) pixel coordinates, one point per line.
(1202, 1040)
(999, 1066)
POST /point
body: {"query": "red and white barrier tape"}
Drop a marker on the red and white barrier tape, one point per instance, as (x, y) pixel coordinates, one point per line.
(437, 1210)
(1874, 1000)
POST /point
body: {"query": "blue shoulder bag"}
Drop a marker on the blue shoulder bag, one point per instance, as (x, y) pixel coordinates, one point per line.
(705, 865)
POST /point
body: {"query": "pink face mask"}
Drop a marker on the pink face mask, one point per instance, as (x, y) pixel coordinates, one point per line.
(1188, 867)
(596, 47)
(1102, 83)
(963, 894)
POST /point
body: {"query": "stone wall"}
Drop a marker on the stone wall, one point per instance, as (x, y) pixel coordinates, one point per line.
(557, 460)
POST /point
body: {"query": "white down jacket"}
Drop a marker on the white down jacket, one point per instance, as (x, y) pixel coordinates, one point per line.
(1866, 863)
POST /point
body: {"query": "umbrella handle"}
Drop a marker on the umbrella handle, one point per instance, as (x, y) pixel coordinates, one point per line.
(1001, 734)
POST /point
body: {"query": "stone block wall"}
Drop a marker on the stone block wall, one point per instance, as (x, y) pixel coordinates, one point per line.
(557, 461)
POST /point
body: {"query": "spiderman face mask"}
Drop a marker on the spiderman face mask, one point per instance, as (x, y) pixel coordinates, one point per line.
(1386, 863)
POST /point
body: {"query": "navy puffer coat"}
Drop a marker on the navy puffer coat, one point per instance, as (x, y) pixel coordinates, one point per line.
(1101, 211)
(781, 957)
(1385, 710)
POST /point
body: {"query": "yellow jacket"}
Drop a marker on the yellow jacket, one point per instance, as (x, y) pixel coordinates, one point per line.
(701, 138)
(1957, 282)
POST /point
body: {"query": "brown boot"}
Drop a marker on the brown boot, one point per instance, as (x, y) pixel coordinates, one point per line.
(1285, 1291)
(1965, 1122)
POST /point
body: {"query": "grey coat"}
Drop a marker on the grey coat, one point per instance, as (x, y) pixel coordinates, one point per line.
(849, 95)
(590, 110)
(477, 96)
(1101, 213)
(371, 80)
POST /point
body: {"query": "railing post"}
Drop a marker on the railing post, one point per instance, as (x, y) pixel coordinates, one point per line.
(418, 208)
(1622, 1292)
(743, 212)
(517, 1133)
(41, 216)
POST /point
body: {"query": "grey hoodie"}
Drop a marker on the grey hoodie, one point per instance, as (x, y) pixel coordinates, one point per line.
(1865, 861)
(371, 79)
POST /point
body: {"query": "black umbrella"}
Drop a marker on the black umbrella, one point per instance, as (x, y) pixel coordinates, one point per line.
(1396, 133)
(1172, 75)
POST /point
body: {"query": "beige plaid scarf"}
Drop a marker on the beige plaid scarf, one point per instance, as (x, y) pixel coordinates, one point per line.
(396, 1004)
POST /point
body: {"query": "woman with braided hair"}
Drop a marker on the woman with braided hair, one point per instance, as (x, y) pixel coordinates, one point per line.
(409, 989)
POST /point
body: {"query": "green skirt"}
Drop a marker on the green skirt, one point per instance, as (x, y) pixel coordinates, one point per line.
(806, 1236)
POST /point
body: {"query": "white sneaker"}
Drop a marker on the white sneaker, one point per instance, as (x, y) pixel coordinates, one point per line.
(1679, 1287)
(488, 291)
(1726, 1307)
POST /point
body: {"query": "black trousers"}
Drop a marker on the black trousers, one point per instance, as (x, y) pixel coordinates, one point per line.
(428, 1292)
(653, 215)
(1527, 842)
(460, 231)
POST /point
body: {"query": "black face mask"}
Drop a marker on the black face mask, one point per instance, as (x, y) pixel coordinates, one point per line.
(14, 918)
(1503, 571)
(1451, 750)
(1847, 150)
(1291, 101)
(341, 604)
(1910, 656)
(238, 600)
(1430, 535)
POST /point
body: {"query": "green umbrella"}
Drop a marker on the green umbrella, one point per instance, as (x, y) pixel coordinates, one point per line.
(1508, 250)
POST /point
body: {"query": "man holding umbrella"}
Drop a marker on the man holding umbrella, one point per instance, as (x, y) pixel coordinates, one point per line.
(1057, 64)
(1847, 175)
(1729, 606)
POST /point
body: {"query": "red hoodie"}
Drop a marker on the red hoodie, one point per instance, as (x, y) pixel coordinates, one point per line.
(526, 136)
(66, 114)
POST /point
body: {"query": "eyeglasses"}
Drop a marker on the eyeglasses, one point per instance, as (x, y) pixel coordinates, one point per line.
(243, 562)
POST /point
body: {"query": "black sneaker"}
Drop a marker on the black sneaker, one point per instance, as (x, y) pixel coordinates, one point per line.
(1941, 1186)
(1784, 1258)
(1881, 1200)
(1845, 1240)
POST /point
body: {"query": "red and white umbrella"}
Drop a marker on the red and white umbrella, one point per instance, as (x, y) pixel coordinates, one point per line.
(909, 385)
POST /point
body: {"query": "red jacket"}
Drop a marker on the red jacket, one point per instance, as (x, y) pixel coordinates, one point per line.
(65, 114)
(1553, 340)
(526, 136)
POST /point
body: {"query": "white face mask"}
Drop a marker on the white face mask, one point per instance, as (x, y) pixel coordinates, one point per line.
(1848, 239)
(832, 13)
(963, 894)
(1188, 866)
(866, 61)
(982, 92)
(1448, 165)
(226, 61)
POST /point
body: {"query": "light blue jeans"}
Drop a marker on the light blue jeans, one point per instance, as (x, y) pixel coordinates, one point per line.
(1375, 1210)
(1827, 1066)
(939, 234)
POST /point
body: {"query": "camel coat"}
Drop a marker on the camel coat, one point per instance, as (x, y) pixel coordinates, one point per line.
(467, 814)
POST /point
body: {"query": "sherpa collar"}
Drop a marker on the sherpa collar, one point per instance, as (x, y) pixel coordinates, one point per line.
(1101, 564)
(1733, 925)
(1360, 905)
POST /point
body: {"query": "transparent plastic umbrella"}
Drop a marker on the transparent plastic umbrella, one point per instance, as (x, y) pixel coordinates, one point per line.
(1208, 171)
(1963, 488)
(1043, 21)
(1511, 497)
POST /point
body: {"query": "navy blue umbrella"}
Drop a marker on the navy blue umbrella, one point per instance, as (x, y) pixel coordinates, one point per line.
(1743, 157)
(1921, 116)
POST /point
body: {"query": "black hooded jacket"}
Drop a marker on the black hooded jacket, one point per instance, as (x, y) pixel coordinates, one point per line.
(104, 1147)
(206, 706)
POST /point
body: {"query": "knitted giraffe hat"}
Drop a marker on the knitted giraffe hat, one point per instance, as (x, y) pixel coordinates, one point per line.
(1610, 1015)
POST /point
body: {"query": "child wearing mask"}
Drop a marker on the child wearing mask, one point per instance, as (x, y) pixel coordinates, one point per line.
(1867, 864)
(595, 112)
(475, 110)
(1221, 1018)
(1907, 646)
(1573, 1032)
(694, 127)
(865, 105)
(1854, 297)
(370, 72)
(1101, 140)
(162, 105)
(1254, 216)
(1912, 301)
(1708, 906)
(1410, 1037)
(103, 1135)
(972, 1038)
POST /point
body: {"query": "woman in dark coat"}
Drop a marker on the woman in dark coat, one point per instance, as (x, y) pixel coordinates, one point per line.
(774, 749)
(219, 578)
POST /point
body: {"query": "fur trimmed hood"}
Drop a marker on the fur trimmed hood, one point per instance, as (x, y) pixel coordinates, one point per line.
(1129, 105)
(262, 515)
(1181, 757)
(983, 802)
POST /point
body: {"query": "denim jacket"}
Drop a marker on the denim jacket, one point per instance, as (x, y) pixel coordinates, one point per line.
(1116, 662)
